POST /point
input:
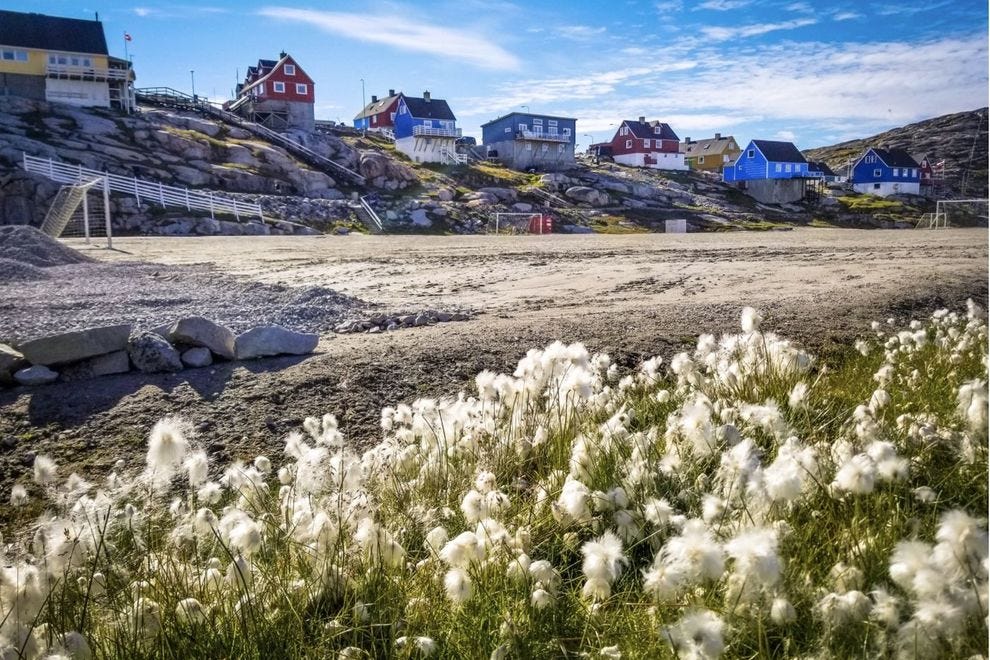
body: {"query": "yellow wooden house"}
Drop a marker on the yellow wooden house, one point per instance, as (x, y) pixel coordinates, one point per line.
(61, 60)
(710, 155)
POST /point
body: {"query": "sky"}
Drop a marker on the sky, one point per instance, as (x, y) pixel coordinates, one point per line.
(812, 72)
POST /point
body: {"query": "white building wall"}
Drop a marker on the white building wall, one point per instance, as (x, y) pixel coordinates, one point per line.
(665, 161)
(425, 149)
(78, 92)
(888, 188)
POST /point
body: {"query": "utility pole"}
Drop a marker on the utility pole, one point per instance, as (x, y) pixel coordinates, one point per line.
(192, 78)
(364, 120)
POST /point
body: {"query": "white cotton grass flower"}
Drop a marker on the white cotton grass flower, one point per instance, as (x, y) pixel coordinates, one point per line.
(799, 394)
(657, 511)
(462, 550)
(610, 652)
(750, 320)
(190, 612)
(167, 448)
(458, 585)
(857, 475)
(924, 494)
(246, 536)
(18, 495)
(962, 545)
(755, 556)
(197, 467)
(971, 405)
(424, 646)
(843, 609)
(540, 598)
(45, 470)
(602, 565)
(782, 612)
(845, 577)
(697, 636)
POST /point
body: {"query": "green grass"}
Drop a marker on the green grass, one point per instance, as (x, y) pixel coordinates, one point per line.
(868, 204)
(316, 588)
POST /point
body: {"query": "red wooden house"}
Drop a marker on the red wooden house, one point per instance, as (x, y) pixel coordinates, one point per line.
(278, 94)
(647, 144)
(379, 114)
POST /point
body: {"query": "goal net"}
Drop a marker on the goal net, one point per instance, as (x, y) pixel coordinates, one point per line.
(80, 211)
(520, 223)
(957, 213)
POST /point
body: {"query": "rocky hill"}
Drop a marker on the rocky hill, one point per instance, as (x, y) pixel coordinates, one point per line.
(960, 139)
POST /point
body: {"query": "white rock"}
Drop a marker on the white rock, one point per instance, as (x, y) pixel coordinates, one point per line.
(199, 356)
(198, 331)
(36, 375)
(274, 340)
(75, 346)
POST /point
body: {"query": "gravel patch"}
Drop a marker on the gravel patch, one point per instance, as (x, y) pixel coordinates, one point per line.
(78, 296)
(28, 245)
(12, 270)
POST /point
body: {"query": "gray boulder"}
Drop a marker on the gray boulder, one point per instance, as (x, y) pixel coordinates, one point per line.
(522, 207)
(11, 360)
(36, 375)
(151, 353)
(419, 218)
(587, 195)
(445, 194)
(101, 365)
(197, 331)
(76, 346)
(274, 340)
(197, 357)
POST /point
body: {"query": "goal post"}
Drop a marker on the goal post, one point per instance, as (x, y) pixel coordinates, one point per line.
(81, 210)
(521, 223)
(957, 212)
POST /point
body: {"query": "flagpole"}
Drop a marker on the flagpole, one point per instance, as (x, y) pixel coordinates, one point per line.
(127, 77)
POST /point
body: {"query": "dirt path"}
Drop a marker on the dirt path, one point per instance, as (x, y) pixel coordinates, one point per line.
(633, 296)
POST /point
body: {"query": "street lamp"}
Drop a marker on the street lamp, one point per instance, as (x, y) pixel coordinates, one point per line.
(192, 78)
(364, 120)
(527, 108)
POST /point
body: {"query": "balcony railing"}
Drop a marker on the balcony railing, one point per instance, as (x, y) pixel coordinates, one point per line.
(84, 72)
(540, 135)
(429, 131)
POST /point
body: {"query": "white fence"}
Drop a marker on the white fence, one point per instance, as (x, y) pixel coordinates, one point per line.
(429, 131)
(149, 191)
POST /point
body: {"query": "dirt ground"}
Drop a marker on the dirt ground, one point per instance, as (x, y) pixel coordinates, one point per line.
(631, 296)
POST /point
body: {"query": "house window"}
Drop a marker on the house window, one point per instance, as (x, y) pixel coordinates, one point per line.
(552, 129)
(567, 132)
(658, 130)
(302, 88)
(914, 172)
(628, 144)
(751, 153)
(779, 167)
(508, 129)
(787, 167)
(701, 159)
(290, 69)
(374, 119)
(523, 127)
(897, 171)
(261, 89)
(18, 55)
(391, 116)
(876, 186)
(551, 122)
(75, 61)
(876, 174)
(646, 143)
(529, 146)
(279, 87)
(624, 131)
(537, 122)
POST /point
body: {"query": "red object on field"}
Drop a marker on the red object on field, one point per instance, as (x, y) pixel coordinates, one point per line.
(541, 224)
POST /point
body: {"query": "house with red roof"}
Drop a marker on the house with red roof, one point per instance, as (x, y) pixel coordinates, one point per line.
(651, 144)
(277, 94)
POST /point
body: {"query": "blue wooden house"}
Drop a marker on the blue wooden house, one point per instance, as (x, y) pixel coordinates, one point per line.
(767, 159)
(426, 129)
(771, 172)
(886, 172)
(525, 141)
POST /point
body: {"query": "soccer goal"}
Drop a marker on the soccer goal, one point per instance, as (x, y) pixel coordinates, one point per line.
(80, 210)
(957, 213)
(521, 223)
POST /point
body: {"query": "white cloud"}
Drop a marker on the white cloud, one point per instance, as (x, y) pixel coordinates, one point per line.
(802, 7)
(669, 6)
(753, 30)
(722, 5)
(579, 32)
(846, 16)
(787, 136)
(143, 11)
(407, 34)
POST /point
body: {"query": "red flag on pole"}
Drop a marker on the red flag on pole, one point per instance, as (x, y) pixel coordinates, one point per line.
(127, 37)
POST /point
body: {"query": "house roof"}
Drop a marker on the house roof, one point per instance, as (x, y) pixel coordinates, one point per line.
(779, 152)
(895, 157)
(432, 109)
(820, 166)
(266, 68)
(644, 129)
(375, 107)
(52, 33)
(527, 114)
(707, 146)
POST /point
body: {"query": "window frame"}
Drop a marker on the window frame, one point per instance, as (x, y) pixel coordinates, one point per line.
(877, 173)
(751, 153)
(275, 87)
(287, 70)
(304, 89)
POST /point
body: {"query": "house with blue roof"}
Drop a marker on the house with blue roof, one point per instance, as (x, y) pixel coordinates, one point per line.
(426, 130)
(886, 172)
(526, 141)
(770, 171)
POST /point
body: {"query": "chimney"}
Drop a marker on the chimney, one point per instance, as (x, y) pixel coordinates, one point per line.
(642, 120)
(282, 54)
(718, 136)
(426, 96)
(391, 92)
(687, 140)
(374, 99)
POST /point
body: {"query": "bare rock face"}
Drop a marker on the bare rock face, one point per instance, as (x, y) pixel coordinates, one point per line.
(197, 357)
(76, 346)
(151, 353)
(11, 361)
(36, 375)
(587, 195)
(274, 340)
(197, 331)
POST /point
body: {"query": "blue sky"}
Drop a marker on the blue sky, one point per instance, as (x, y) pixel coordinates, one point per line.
(809, 71)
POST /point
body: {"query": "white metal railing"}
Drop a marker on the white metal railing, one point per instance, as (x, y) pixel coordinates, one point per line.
(70, 71)
(540, 135)
(371, 213)
(149, 191)
(429, 131)
(448, 157)
(388, 134)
